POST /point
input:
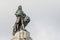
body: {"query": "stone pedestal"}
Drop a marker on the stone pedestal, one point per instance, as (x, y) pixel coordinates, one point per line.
(22, 35)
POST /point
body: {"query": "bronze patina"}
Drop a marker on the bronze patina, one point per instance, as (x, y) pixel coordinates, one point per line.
(22, 20)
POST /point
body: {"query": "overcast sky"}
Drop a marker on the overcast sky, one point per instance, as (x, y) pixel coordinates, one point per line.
(44, 15)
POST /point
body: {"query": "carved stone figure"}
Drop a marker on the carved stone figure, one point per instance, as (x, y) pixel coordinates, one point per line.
(22, 20)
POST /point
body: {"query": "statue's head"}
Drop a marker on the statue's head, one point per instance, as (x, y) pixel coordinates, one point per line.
(20, 7)
(19, 11)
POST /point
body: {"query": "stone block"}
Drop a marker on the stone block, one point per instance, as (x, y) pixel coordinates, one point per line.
(22, 35)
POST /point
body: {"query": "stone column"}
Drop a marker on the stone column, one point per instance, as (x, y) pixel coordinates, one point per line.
(22, 35)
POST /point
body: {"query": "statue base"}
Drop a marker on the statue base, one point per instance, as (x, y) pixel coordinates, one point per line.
(22, 35)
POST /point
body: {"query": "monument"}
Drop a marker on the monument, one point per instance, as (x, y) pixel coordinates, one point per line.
(19, 31)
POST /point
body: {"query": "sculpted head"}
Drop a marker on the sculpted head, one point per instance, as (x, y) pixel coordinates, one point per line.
(20, 7)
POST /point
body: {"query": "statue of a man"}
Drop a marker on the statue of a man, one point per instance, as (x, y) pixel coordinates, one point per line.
(22, 20)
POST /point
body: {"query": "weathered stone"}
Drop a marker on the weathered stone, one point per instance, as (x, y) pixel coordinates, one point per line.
(22, 35)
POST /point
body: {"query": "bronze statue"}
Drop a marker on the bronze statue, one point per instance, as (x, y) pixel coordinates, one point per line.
(22, 20)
